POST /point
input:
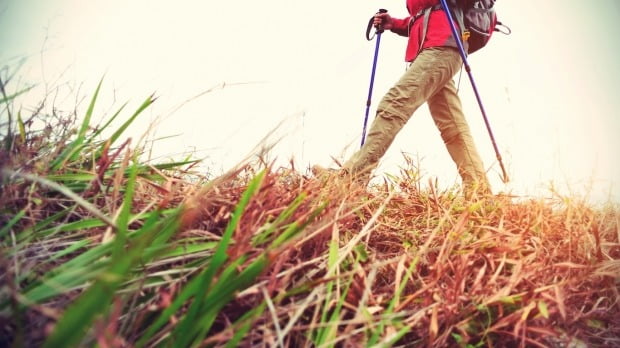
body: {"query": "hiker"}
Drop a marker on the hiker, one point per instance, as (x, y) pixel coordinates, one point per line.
(433, 60)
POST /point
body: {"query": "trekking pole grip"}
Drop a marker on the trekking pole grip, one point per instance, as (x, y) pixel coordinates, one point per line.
(380, 26)
(379, 29)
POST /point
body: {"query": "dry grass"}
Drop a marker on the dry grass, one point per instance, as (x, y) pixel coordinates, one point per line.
(494, 273)
(268, 257)
(533, 273)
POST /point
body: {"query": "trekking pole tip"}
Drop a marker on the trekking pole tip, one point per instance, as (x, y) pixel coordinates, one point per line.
(505, 178)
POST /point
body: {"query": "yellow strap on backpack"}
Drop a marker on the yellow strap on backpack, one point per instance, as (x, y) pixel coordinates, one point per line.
(465, 36)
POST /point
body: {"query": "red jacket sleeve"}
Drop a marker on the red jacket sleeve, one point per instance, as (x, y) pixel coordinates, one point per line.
(401, 26)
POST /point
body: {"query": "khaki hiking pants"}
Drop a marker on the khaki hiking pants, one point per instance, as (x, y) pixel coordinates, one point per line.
(428, 79)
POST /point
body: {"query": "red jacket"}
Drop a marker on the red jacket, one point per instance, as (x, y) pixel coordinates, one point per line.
(438, 32)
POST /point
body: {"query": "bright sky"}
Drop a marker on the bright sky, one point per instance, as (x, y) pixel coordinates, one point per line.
(549, 88)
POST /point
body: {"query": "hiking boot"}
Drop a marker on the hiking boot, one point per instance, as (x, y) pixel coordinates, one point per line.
(320, 171)
(341, 175)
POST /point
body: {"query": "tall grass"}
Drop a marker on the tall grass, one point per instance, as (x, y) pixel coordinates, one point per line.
(99, 246)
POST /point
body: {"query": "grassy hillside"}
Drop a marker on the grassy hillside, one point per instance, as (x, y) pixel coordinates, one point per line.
(101, 247)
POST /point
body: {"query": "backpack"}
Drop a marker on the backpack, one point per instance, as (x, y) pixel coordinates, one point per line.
(477, 20)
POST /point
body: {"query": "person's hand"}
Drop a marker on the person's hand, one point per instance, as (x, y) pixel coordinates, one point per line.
(383, 21)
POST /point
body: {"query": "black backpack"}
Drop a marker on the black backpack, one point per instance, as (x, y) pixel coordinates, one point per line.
(477, 20)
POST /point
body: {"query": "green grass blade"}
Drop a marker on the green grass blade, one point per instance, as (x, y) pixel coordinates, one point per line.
(46, 222)
(72, 226)
(285, 215)
(391, 341)
(189, 290)
(149, 100)
(244, 324)
(78, 144)
(331, 331)
(21, 127)
(63, 282)
(70, 249)
(217, 299)
(107, 124)
(173, 165)
(294, 228)
(206, 315)
(220, 254)
(122, 222)
(89, 112)
(389, 310)
(94, 257)
(58, 284)
(91, 258)
(87, 177)
(73, 149)
(332, 258)
(219, 258)
(5, 229)
(96, 300)
(31, 273)
(7, 99)
(62, 189)
(188, 249)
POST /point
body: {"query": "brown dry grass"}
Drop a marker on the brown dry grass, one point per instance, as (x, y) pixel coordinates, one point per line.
(452, 273)
(340, 265)
(491, 272)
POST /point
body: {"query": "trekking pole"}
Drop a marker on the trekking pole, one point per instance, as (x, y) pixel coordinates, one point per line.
(459, 44)
(378, 32)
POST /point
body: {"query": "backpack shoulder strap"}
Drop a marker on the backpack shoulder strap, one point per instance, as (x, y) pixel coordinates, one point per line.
(426, 13)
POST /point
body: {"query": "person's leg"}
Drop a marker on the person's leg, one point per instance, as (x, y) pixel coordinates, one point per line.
(447, 112)
(429, 72)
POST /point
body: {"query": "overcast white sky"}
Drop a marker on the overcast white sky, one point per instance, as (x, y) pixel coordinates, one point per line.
(549, 88)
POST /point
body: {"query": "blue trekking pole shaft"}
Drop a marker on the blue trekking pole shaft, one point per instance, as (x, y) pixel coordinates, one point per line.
(461, 48)
(379, 31)
(372, 83)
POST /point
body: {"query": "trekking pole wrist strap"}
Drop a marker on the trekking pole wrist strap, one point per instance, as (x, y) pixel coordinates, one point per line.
(371, 25)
